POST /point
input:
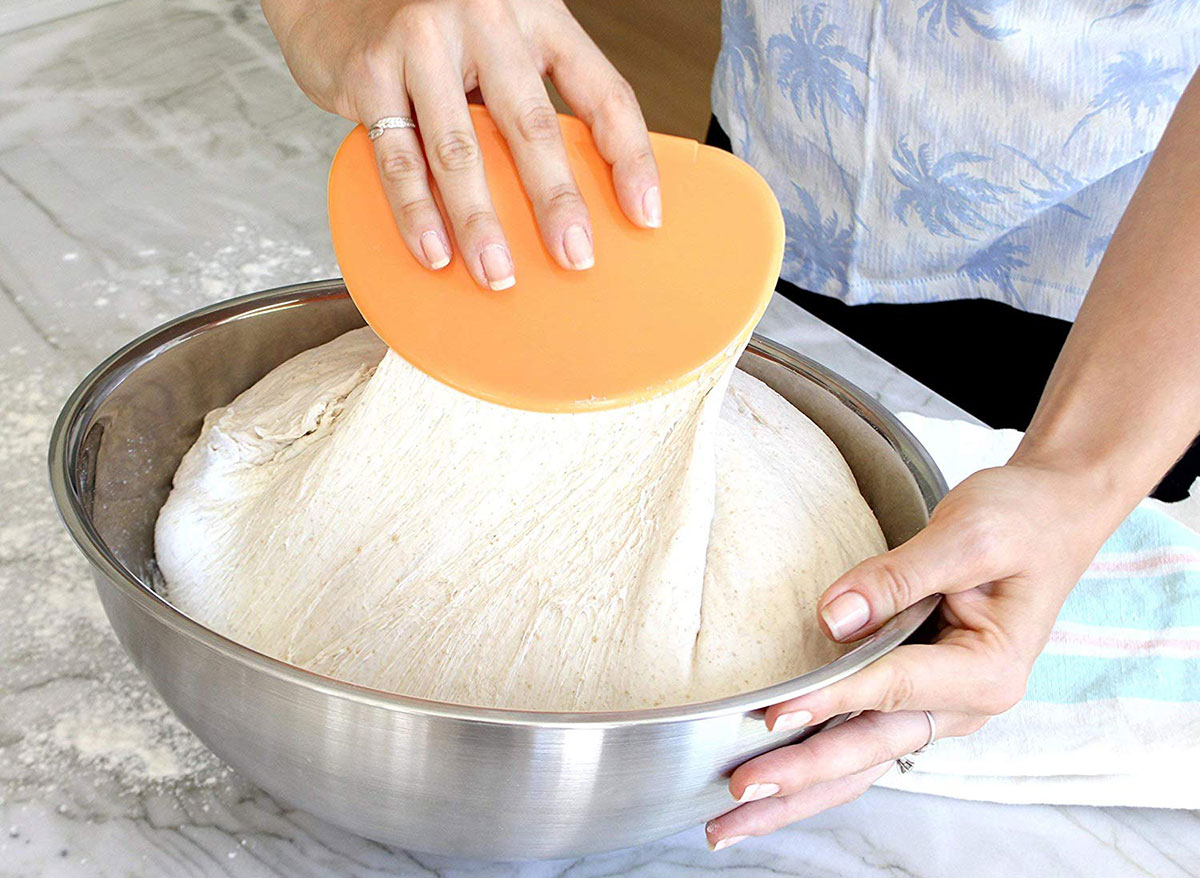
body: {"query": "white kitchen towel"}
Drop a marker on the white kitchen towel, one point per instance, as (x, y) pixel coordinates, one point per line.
(1112, 712)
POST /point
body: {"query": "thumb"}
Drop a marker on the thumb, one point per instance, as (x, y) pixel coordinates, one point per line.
(952, 554)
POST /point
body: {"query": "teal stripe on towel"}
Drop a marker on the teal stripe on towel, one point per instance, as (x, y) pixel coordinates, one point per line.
(1150, 604)
(1071, 679)
(1149, 600)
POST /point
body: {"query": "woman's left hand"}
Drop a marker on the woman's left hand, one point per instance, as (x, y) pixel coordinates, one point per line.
(1005, 547)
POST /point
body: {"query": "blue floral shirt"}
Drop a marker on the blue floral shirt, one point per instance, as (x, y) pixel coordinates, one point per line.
(945, 149)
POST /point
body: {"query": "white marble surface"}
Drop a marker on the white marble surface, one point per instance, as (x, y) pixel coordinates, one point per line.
(154, 157)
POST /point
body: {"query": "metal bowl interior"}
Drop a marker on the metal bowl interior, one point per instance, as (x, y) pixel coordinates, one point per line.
(434, 776)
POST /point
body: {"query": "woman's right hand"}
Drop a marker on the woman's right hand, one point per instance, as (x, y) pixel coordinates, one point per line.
(366, 59)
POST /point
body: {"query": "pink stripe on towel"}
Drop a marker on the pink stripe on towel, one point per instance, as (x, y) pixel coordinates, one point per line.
(1100, 641)
(1166, 559)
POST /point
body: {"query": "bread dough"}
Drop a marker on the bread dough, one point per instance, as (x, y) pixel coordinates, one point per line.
(353, 516)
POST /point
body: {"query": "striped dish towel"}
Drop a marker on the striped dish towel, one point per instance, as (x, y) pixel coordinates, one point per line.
(1112, 712)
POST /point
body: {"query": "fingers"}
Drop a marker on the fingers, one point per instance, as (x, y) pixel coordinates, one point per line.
(405, 179)
(522, 110)
(454, 157)
(831, 768)
(851, 748)
(949, 555)
(767, 815)
(955, 674)
(601, 97)
(508, 77)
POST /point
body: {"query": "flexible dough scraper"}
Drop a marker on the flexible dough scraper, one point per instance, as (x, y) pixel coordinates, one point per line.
(659, 306)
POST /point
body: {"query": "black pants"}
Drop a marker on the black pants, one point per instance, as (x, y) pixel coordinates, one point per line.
(986, 357)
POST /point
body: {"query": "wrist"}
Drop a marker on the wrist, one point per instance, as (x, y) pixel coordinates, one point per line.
(1096, 491)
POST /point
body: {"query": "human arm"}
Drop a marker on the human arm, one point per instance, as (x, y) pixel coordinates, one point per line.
(1007, 545)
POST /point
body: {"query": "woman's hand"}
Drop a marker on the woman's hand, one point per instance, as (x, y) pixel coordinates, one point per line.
(1004, 547)
(366, 59)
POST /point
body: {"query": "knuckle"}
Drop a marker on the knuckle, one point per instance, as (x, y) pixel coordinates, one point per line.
(620, 95)
(563, 197)
(554, 26)
(538, 123)
(375, 63)
(898, 689)
(488, 13)
(642, 158)
(413, 21)
(614, 97)
(400, 166)
(414, 209)
(477, 220)
(456, 151)
(898, 581)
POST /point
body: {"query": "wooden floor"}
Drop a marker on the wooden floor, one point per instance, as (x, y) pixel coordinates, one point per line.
(666, 49)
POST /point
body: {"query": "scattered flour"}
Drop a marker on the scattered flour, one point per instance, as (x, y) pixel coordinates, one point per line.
(75, 715)
(180, 283)
(73, 710)
(117, 741)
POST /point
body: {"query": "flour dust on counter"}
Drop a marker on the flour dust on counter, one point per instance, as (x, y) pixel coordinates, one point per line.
(115, 297)
(74, 714)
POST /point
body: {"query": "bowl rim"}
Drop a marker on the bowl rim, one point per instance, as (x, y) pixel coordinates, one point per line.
(80, 407)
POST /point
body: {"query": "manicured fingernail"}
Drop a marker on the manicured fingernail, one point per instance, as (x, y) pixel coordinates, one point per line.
(652, 207)
(497, 266)
(756, 791)
(846, 613)
(434, 250)
(728, 842)
(579, 248)
(797, 719)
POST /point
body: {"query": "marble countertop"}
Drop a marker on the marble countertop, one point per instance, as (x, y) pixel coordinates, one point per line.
(155, 157)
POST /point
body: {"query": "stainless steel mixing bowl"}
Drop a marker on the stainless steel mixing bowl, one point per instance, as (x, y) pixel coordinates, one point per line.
(496, 784)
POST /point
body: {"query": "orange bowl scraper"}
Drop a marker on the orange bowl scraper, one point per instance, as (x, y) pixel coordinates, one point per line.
(659, 306)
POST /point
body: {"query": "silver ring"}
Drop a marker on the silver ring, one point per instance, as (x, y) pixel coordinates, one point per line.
(906, 763)
(376, 130)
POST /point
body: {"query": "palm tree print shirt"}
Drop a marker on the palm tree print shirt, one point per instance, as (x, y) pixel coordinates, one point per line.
(946, 149)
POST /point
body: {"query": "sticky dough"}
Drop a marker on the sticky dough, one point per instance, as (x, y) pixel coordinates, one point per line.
(353, 516)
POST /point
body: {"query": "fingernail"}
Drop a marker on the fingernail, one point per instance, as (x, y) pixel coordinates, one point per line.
(579, 248)
(497, 266)
(728, 842)
(756, 791)
(846, 613)
(797, 719)
(652, 207)
(434, 250)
